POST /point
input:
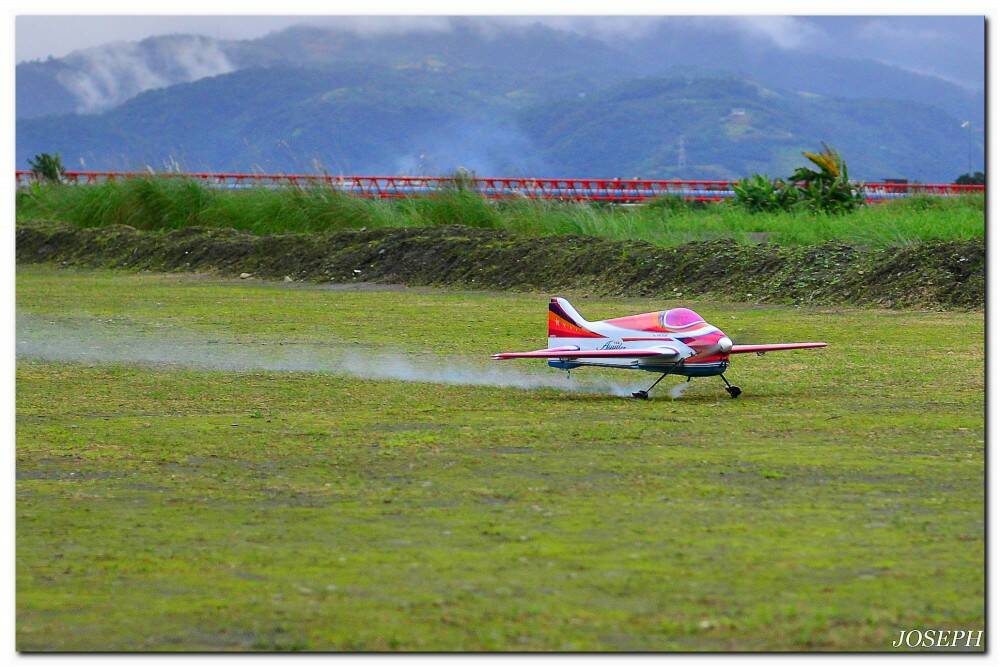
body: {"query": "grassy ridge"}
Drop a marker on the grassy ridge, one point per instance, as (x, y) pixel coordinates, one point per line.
(838, 501)
(930, 274)
(173, 203)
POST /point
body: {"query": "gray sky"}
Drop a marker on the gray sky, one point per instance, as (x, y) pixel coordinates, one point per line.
(43, 36)
(951, 47)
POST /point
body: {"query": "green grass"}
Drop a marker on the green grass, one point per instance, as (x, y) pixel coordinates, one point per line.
(837, 502)
(174, 203)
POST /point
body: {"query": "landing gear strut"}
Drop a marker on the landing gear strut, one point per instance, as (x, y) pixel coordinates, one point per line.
(733, 390)
(644, 395)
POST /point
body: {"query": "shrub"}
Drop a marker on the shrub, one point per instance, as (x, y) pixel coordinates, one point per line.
(759, 194)
(978, 178)
(826, 190)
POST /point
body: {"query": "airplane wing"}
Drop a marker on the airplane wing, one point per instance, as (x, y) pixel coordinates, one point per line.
(574, 352)
(761, 349)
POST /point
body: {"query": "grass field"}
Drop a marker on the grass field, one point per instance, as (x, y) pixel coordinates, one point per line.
(173, 203)
(837, 502)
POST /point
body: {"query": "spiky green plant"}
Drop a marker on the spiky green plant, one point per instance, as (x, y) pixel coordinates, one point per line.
(48, 168)
(828, 189)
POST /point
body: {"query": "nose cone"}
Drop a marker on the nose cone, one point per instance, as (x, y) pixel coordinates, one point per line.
(725, 345)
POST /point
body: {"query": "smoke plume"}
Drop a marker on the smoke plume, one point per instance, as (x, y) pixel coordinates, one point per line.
(122, 342)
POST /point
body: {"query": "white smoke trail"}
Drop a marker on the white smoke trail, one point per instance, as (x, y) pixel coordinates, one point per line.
(678, 389)
(114, 341)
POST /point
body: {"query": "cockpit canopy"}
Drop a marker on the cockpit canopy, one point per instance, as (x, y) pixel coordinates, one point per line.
(680, 317)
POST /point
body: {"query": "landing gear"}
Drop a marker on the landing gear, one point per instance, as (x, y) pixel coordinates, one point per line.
(644, 395)
(733, 390)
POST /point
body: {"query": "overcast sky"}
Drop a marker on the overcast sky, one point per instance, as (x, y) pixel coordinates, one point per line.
(951, 47)
(43, 36)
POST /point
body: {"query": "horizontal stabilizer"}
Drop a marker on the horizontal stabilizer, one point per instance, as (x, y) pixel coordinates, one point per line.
(774, 347)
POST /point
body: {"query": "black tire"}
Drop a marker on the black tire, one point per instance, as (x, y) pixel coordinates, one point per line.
(641, 395)
(734, 391)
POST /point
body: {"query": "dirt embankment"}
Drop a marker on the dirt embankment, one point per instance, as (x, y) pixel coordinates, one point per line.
(926, 275)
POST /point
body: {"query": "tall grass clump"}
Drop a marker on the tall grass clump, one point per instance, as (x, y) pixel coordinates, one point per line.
(174, 203)
(454, 207)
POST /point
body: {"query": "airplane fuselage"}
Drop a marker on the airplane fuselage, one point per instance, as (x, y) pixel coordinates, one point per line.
(704, 348)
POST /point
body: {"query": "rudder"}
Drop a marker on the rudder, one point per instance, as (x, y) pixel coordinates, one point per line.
(566, 322)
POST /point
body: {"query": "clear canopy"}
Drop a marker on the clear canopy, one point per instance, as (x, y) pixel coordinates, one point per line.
(681, 317)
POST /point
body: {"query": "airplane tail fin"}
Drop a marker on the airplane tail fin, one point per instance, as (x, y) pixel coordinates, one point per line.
(566, 322)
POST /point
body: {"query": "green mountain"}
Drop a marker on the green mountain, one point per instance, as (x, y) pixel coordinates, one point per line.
(359, 118)
(431, 119)
(728, 128)
(100, 78)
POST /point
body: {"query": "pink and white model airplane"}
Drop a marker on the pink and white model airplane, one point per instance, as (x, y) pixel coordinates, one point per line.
(672, 342)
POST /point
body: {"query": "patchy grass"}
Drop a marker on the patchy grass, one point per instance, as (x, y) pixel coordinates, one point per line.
(838, 501)
(171, 203)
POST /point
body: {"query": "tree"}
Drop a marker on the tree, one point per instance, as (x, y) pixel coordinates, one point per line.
(978, 178)
(47, 167)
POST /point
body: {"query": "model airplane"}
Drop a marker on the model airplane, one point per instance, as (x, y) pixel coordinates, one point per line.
(672, 342)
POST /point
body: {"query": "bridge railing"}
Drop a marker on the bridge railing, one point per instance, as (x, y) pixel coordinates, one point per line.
(578, 189)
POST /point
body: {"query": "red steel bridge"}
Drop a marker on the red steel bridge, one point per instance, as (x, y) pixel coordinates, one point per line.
(572, 189)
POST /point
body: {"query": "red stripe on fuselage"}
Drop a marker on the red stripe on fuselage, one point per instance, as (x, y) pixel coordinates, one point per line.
(643, 322)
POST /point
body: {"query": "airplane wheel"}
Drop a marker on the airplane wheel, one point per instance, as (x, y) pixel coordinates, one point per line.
(642, 395)
(734, 391)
